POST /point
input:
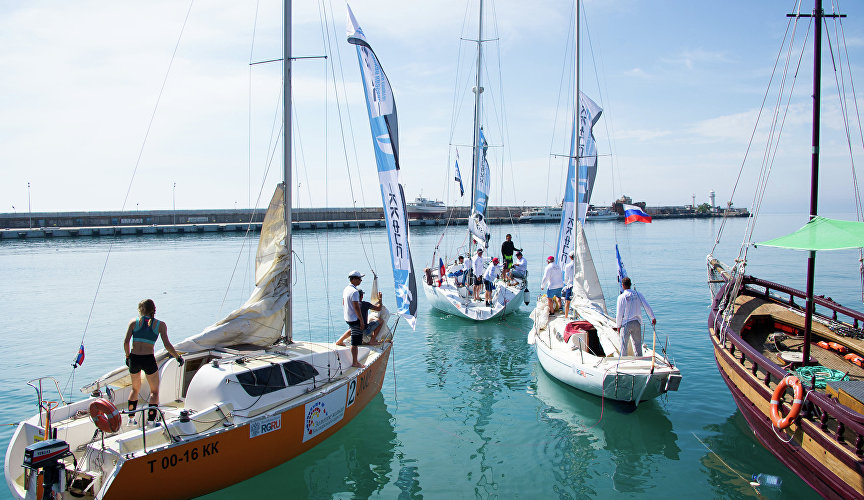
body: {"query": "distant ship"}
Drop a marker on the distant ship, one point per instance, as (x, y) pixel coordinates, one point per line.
(423, 208)
(553, 214)
(541, 214)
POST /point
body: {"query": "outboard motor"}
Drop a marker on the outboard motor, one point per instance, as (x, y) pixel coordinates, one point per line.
(47, 455)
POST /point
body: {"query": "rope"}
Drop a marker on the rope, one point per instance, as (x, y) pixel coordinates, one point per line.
(725, 464)
(823, 375)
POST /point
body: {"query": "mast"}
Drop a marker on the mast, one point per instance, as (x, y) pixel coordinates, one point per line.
(286, 151)
(814, 173)
(478, 89)
(577, 110)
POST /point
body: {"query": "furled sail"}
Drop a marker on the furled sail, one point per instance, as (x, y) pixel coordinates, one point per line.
(586, 282)
(382, 117)
(260, 319)
(566, 239)
(589, 113)
(481, 193)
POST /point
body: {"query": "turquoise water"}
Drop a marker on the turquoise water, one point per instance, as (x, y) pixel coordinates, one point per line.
(466, 411)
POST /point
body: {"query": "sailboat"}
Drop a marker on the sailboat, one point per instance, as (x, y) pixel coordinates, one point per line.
(452, 294)
(248, 398)
(585, 352)
(792, 368)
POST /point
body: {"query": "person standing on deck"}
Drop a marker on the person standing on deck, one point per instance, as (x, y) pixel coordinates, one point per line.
(553, 278)
(353, 314)
(477, 270)
(489, 276)
(143, 333)
(507, 249)
(569, 274)
(629, 317)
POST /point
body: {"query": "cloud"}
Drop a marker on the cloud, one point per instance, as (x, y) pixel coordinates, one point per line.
(638, 73)
(691, 58)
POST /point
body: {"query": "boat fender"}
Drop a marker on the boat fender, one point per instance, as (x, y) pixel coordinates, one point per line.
(823, 345)
(105, 415)
(798, 399)
(855, 359)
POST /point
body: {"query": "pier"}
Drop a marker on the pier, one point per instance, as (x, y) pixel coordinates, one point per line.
(40, 225)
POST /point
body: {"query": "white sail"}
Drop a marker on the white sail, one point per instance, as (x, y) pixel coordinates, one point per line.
(586, 282)
(260, 319)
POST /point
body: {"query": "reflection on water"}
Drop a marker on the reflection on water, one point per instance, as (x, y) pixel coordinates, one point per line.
(479, 366)
(733, 442)
(356, 462)
(628, 446)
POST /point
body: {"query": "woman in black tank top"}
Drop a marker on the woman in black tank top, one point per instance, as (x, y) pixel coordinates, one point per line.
(140, 356)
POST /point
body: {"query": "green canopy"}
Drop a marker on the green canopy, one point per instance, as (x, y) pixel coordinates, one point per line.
(822, 234)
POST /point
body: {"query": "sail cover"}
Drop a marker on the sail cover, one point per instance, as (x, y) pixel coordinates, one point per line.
(382, 117)
(822, 234)
(259, 321)
(589, 113)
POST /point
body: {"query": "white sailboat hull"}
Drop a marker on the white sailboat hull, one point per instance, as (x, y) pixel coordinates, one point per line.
(448, 298)
(606, 374)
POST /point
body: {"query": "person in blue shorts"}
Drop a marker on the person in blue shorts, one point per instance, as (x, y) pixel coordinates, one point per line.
(553, 278)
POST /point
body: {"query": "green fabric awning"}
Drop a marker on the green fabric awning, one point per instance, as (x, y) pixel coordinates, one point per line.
(822, 234)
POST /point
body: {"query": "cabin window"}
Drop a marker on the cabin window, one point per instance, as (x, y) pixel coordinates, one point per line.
(262, 380)
(297, 372)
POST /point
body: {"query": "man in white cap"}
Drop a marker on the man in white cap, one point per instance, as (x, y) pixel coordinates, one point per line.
(569, 274)
(353, 315)
(554, 279)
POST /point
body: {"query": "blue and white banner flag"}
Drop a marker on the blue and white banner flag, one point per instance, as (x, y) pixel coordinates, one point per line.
(622, 273)
(382, 118)
(459, 176)
(589, 113)
(482, 183)
(566, 239)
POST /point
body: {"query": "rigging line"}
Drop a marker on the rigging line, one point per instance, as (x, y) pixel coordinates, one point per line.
(275, 135)
(249, 145)
(456, 106)
(339, 106)
(137, 164)
(859, 208)
(755, 128)
(844, 110)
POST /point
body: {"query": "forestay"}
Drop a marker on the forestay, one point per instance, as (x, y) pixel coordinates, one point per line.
(260, 319)
(382, 118)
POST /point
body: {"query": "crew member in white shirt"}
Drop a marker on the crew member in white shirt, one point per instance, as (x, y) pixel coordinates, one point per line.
(569, 273)
(458, 271)
(477, 270)
(520, 267)
(554, 279)
(489, 276)
(629, 317)
(353, 315)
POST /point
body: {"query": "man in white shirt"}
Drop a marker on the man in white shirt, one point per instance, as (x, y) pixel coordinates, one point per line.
(520, 267)
(554, 279)
(629, 317)
(477, 269)
(569, 274)
(489, 276)
(353, 315)
(458, 271)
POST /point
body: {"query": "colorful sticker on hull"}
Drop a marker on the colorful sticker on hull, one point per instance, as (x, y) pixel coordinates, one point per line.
(324, 412)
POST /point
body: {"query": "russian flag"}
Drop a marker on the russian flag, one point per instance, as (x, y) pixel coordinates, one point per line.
(79, 358)
(441, 270)
(632, 213)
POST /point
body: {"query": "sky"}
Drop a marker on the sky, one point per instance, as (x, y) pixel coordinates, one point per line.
(91, 122)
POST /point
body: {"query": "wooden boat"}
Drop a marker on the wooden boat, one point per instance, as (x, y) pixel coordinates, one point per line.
(443, 292)
(585, 352)
(246, 400)
(768, 338)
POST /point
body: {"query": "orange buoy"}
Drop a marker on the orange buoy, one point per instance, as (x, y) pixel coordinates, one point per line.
(105, 415)
(798, 389)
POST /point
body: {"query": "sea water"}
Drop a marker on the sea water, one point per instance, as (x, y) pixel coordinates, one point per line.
(466, 411)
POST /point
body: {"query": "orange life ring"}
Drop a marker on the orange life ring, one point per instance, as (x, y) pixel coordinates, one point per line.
(105, 415)
(789, 380)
